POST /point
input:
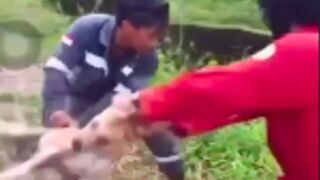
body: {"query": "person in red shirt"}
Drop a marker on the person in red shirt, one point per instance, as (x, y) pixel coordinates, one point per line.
(279, 83)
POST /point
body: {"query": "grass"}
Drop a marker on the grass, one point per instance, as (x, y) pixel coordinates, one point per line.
(216, 13)
(234, 153)
(30, 106)
(50, 24)
(235, 13)
(237, 152)
(7, 98)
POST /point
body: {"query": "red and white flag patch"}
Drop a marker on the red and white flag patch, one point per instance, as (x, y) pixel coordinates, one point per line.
(67, 40)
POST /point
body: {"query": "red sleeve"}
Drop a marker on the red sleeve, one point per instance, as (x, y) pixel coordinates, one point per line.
(201, 101)
(275, 79)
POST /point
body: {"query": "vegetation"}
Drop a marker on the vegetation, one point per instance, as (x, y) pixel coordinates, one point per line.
(236, 13)
(233, 153)
(50, 24)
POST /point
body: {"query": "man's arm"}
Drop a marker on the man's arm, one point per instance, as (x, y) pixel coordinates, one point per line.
(166, 148)
(59, 71)
(276, 79)
(200, 101)
(137, 79)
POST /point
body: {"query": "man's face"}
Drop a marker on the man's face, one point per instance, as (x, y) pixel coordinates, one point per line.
(144, 39)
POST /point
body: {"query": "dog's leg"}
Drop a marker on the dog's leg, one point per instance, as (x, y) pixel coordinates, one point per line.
(50, 159)
(28, 166)
(56, 163)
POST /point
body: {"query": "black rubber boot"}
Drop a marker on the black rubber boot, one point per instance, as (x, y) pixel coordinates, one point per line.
(167, 150)
(173, 171)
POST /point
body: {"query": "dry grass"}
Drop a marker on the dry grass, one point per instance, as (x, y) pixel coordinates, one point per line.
(139, 165)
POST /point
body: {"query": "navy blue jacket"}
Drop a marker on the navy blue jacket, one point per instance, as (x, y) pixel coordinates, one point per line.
(82, 68)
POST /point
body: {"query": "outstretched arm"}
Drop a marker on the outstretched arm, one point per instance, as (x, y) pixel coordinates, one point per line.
(210, 98)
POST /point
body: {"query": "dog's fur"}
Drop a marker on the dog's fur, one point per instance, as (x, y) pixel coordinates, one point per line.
(109, 130)
(90, 153)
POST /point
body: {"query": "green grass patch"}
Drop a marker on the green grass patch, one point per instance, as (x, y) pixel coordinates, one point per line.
(240, 13)
(7, 98)
(31, 105)
(218, 13)
(234, 153)
(26, 100)
(50, 24)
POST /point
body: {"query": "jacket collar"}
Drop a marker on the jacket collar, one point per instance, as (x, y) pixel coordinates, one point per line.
(107, 32)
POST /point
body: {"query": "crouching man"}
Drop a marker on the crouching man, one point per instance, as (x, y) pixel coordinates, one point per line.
(102, 55)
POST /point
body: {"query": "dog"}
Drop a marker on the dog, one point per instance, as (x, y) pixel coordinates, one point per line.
(91, 153)
(116, 131)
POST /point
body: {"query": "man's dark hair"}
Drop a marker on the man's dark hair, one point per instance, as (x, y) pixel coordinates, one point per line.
(143, 13)
(281, 15)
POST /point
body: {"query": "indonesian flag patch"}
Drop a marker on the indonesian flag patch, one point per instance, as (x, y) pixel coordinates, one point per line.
(67, 40)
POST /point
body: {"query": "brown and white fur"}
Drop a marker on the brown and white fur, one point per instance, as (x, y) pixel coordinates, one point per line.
(90, 153)
(109, 130)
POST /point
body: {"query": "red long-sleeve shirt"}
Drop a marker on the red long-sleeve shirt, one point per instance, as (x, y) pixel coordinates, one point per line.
(279, 83)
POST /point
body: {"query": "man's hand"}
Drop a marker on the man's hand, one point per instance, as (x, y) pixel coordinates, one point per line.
(61, 119)
(126, 105)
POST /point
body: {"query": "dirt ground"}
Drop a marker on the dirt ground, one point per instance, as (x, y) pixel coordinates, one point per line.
(27, 82)
(18, 83)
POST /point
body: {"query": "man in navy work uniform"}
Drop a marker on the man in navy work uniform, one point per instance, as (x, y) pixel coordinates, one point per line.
(102, 55)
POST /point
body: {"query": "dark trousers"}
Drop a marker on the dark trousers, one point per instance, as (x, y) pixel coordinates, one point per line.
(165, 147)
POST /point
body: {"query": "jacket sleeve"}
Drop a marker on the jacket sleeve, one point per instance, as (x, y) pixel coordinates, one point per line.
(200, 101)
(58, 72)
(138, 79)
(275, 79)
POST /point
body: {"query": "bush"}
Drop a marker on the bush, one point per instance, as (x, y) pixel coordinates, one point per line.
(68, 7)
(174, 62)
